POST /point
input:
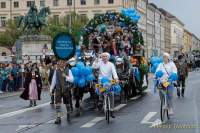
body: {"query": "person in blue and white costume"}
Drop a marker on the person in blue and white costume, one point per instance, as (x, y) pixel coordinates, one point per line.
(108, 70)
(168, 67)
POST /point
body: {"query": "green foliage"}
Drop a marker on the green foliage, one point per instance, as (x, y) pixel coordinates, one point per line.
(56, 26)
(144, 69)
(10, 35)
(111, 18)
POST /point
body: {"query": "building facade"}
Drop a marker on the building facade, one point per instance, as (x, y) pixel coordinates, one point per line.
(162, 33)
(187, 41)
(13, 8)
(157, 44)
(141, 6)
(195, 43)
(177, 32)
(150, 29)
(167, 29)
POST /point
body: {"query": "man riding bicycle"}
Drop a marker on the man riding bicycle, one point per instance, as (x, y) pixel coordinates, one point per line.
(106, 69)
(168, 68)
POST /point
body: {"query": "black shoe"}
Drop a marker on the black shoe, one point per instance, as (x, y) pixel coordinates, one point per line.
(112, 114)
(58, 121)
(68, 117)
(182, 95)
(35, 104)
(51, 102)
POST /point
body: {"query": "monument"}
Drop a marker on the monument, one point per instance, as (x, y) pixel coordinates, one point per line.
(32, 45)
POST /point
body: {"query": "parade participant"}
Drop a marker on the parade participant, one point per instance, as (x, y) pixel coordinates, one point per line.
(5, 77)
(33, 91)
(62, 81)
(182, 74)
(106, 69)
(51, 72)
(126, 45)
(28, 79)
(14, 73)
(167, 67)
(113, 48)
(1, 79)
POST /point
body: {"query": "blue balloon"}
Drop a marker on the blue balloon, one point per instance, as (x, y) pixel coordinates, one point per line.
(153, 68)
(81, 83)
(82, 71)
(76, 79)
(90, 77)
(80, 65)
(173, 77)
(88, 71)
(159, 74)
(75, 71)
(117, 89)
(104, 80)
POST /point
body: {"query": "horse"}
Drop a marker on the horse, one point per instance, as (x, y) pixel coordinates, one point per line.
(44, 12)
(36, 22)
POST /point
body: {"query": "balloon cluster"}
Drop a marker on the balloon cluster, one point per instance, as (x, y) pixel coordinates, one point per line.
(106, 83)
(131, 13)
(159, 74)
(173, 77)
(128, 19)
(155, 61)
(82, 74)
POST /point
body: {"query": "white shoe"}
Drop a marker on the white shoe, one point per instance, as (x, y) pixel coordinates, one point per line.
(170, 111)
(1, 92)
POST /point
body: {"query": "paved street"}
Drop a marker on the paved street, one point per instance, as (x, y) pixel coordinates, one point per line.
(139, 115)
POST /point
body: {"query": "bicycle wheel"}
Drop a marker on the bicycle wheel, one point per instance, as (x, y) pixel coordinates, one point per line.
(107, 111)
(163, 110)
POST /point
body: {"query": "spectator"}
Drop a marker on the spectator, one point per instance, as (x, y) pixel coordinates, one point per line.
(1, 79)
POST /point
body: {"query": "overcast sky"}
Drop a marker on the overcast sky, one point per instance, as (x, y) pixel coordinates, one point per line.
(188, 11)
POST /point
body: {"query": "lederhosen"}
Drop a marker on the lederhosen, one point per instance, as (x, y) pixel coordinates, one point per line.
(63, 88)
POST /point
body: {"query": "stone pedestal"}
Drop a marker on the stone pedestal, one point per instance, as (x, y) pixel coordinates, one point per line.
(34, 47)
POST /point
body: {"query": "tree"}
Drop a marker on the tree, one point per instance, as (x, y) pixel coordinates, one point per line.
(75, 26)
(10, 35)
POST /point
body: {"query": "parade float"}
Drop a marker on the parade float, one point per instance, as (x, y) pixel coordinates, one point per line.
(122, 29)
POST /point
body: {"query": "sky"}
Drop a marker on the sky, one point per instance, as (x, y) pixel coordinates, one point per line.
(188, 11)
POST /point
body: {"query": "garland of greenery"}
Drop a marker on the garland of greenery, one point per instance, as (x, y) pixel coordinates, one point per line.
(113, 18)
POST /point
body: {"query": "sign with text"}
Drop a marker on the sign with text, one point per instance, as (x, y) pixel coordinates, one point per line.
(64, 46)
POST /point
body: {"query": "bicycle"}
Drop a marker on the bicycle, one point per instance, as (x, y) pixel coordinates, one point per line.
(106, 90)
(163, 91)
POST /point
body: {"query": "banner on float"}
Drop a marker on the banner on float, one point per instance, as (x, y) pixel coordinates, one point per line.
(64, 46)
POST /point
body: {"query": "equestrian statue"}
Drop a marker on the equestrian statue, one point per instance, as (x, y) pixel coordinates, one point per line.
(34, 20)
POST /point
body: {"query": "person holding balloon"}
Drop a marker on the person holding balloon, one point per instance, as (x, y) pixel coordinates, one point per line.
(62, 81)
(106, 69)
(167, 72)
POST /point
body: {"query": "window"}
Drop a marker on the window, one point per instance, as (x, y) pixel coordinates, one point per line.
(3, 4)
(16, 4)
(69, 2)
(42, 3)
(83, 2)
(29, 3)
(2, 21)
(55, 2)
(96, 2)
(110, 1)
